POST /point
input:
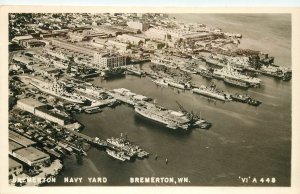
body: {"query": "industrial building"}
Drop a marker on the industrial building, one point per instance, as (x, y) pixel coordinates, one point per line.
(142, 26)
(110, 31)
(43, 111)
(29, 104)
(73, 47)
(118, 45)
(32, 43)
(14, 167)
(19, 139)
(109, 60)
(19, 39)
(131, 39)
(46, 113)
(31, 156)
(173, 35)
(156, 34)
(13, 146)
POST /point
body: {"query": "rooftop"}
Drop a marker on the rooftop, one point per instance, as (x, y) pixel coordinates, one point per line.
(32, 154)
(31, 102)
(12, 163)
(14, 146)
(20, 139)
(46, 110)
(17, 38)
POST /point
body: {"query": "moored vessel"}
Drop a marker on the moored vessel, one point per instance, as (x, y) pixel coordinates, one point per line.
(116, 154)
(212, 92)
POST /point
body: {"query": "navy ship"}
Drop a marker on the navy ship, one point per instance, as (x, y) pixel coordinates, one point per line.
(175, 120)
(212, 92)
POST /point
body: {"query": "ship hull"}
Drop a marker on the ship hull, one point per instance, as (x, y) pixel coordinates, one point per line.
(152, 120)
(217, 76)
(113, 154)
(57, 95)
(214, 96)
(236, 83)
(206, 75)
(161, 83)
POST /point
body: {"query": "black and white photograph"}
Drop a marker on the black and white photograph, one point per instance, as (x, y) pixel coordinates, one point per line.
(149, 99)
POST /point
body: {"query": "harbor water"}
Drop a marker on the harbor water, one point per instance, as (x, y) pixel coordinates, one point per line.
(243, 140)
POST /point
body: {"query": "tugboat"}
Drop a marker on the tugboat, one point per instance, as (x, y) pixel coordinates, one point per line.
(239, 98)
(253, 102)
(287, 76)
(245, 99)
(202, 124)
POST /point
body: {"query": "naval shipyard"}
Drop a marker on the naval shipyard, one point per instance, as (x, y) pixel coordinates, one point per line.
(69, 71)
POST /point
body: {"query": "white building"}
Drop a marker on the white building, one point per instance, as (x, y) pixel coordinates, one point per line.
(109, 60)
(156, 34)
(31, 156)
(138, 25)
(76, 37)
(18, 39)
(173, 35)
(43, 111)
(98, 42)
(29, 104)
(131, 39)
(118, 45)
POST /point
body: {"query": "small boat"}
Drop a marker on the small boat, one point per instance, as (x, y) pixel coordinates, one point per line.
(253, 102)
(245, 99)
(240, 98)
(92, 110)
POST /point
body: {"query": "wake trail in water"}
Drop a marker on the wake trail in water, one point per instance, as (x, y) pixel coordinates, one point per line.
(265, 95)
(148, 167)
(93, 166)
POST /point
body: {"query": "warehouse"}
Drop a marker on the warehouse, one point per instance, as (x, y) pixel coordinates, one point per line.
(43, 111)
(20, 139)
(29, 104)
(13, 146)
(15, 167)
(31, 156)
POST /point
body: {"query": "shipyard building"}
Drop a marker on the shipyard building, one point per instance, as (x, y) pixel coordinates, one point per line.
(131, 39)
(73, 47)
(14, 167)
(21, 148)
(43, 111)
(31, 156)
(142, 26)
(17, 141)
(109, 60)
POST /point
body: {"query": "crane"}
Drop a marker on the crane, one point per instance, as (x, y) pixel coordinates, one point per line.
(181, 107)
(190, 115)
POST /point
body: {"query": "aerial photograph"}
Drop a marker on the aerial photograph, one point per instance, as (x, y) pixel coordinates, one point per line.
(149, 99)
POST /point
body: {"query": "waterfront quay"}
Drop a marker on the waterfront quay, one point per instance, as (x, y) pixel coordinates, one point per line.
(79, 87)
